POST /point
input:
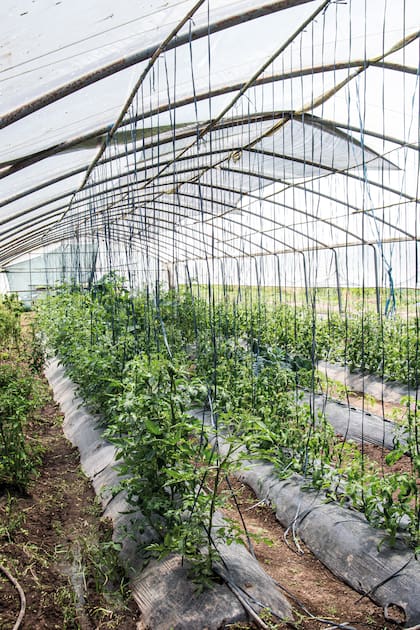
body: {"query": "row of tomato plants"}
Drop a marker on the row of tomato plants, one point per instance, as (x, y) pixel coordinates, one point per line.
(143, 362)
(22, 394)
(387, 347)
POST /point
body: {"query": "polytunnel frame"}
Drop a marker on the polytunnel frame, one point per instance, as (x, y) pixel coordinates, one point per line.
(143, 55)
(79, 170)
(312, 119)
(125, 231)
(42, 241)
(223, 254)
(72, 219)
(143, 185)
(231, 208)
(211, 124)
(20, 163)
(192, 131)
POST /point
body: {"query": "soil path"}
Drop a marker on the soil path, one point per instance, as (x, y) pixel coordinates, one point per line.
(54, 537)
(305, 577)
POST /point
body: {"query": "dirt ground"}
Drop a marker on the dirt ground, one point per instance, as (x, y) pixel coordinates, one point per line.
(54, 536)
(54, 542)
(390, 411)
(314, 589)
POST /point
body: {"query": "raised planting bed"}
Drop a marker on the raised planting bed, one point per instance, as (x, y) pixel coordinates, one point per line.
(340, 537)
(165, 595)
(353, 423)
(364, 383)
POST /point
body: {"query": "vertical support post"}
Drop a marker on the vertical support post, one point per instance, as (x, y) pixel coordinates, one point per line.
(170, 275)
(238, 271)
(337, 276)
(31, 288)
(279, 278)
(175, 276)
(305, 275)
(378, 295)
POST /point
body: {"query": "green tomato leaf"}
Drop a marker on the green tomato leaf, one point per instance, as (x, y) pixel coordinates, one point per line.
(394, 456)
(152, 427)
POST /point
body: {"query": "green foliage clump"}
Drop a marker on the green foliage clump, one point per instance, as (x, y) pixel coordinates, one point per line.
(388, 347)
(144, 360)
(19, 397)
(10, 311)
(164, 464)
(169, 469)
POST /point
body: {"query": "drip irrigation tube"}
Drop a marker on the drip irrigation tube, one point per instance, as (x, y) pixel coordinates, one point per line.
(22, 597)
(343, 540)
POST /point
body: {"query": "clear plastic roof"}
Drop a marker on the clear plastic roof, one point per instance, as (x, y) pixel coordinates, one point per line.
(210, 129)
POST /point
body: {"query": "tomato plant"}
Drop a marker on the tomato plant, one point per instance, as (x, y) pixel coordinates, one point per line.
(144, 360)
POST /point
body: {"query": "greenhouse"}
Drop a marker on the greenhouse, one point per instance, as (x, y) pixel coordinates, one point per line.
(209, 314)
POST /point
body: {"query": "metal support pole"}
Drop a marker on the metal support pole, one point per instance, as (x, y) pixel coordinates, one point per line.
(376, 269)
(176, 276)
(170, 275)
(337, 276)
(142, 55)
(279, 278)
(305, 275)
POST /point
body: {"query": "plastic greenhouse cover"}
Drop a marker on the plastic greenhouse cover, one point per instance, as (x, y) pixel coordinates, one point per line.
(59, 45)
(164, 146)
(20, 228)
(82, 114)
(310, 142)
(304, 146)
(362, 104)
(38, 199)
(336, 69)
(93, 107)
(45, 171)
(47, 268)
